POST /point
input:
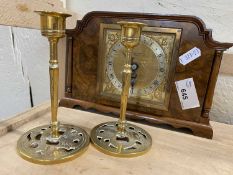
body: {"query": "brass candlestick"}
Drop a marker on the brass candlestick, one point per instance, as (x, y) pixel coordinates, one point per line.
(54, 143)
(121, 138)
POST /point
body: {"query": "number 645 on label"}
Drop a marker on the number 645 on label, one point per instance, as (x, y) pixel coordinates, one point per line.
(187, 93)
(184, 94)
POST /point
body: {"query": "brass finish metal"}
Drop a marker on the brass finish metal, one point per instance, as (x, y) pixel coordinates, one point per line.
(154, 56)
(123, 139)
(53, 26)
(53, 143)
(130, 37)
(137, 141)
(36, 146)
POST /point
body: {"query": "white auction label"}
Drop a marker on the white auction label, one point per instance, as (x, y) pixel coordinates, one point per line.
(187, 93)
(189, 56)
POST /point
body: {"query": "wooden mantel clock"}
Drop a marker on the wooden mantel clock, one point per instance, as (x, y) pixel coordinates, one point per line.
(95, 58)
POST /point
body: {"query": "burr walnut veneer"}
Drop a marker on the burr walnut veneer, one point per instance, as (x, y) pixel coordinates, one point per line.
(83, 60)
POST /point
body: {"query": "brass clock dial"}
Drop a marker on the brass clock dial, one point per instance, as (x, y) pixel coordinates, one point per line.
(148, 66)
(151, 65)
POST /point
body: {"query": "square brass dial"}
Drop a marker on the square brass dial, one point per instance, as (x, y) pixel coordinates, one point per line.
(152, 64)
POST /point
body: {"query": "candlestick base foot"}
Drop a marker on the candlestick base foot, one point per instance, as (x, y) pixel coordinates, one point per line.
(107, 139)
(36, 145)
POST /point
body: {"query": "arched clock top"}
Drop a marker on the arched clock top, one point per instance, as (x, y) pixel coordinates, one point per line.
(203, 31)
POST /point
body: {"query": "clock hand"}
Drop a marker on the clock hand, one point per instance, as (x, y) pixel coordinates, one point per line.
(133, 81)
(134, 67)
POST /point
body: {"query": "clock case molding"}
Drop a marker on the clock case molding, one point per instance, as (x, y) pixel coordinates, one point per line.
(82, 69)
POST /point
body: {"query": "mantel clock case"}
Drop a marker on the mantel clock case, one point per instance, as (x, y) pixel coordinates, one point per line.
(95, 59)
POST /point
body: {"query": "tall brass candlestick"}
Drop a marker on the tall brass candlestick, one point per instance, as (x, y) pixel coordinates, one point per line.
(53, 143)
(130, 37)
(121, 138)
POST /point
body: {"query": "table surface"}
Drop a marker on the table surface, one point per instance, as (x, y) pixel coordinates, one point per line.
(172, 153)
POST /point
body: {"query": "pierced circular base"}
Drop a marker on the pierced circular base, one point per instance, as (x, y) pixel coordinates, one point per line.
(135, 142)
(38, 146)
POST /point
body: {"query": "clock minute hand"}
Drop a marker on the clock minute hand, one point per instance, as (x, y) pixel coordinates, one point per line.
(134, 67)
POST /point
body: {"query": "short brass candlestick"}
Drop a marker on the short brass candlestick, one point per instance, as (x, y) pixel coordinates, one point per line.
(54, 143)
(120, 138)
